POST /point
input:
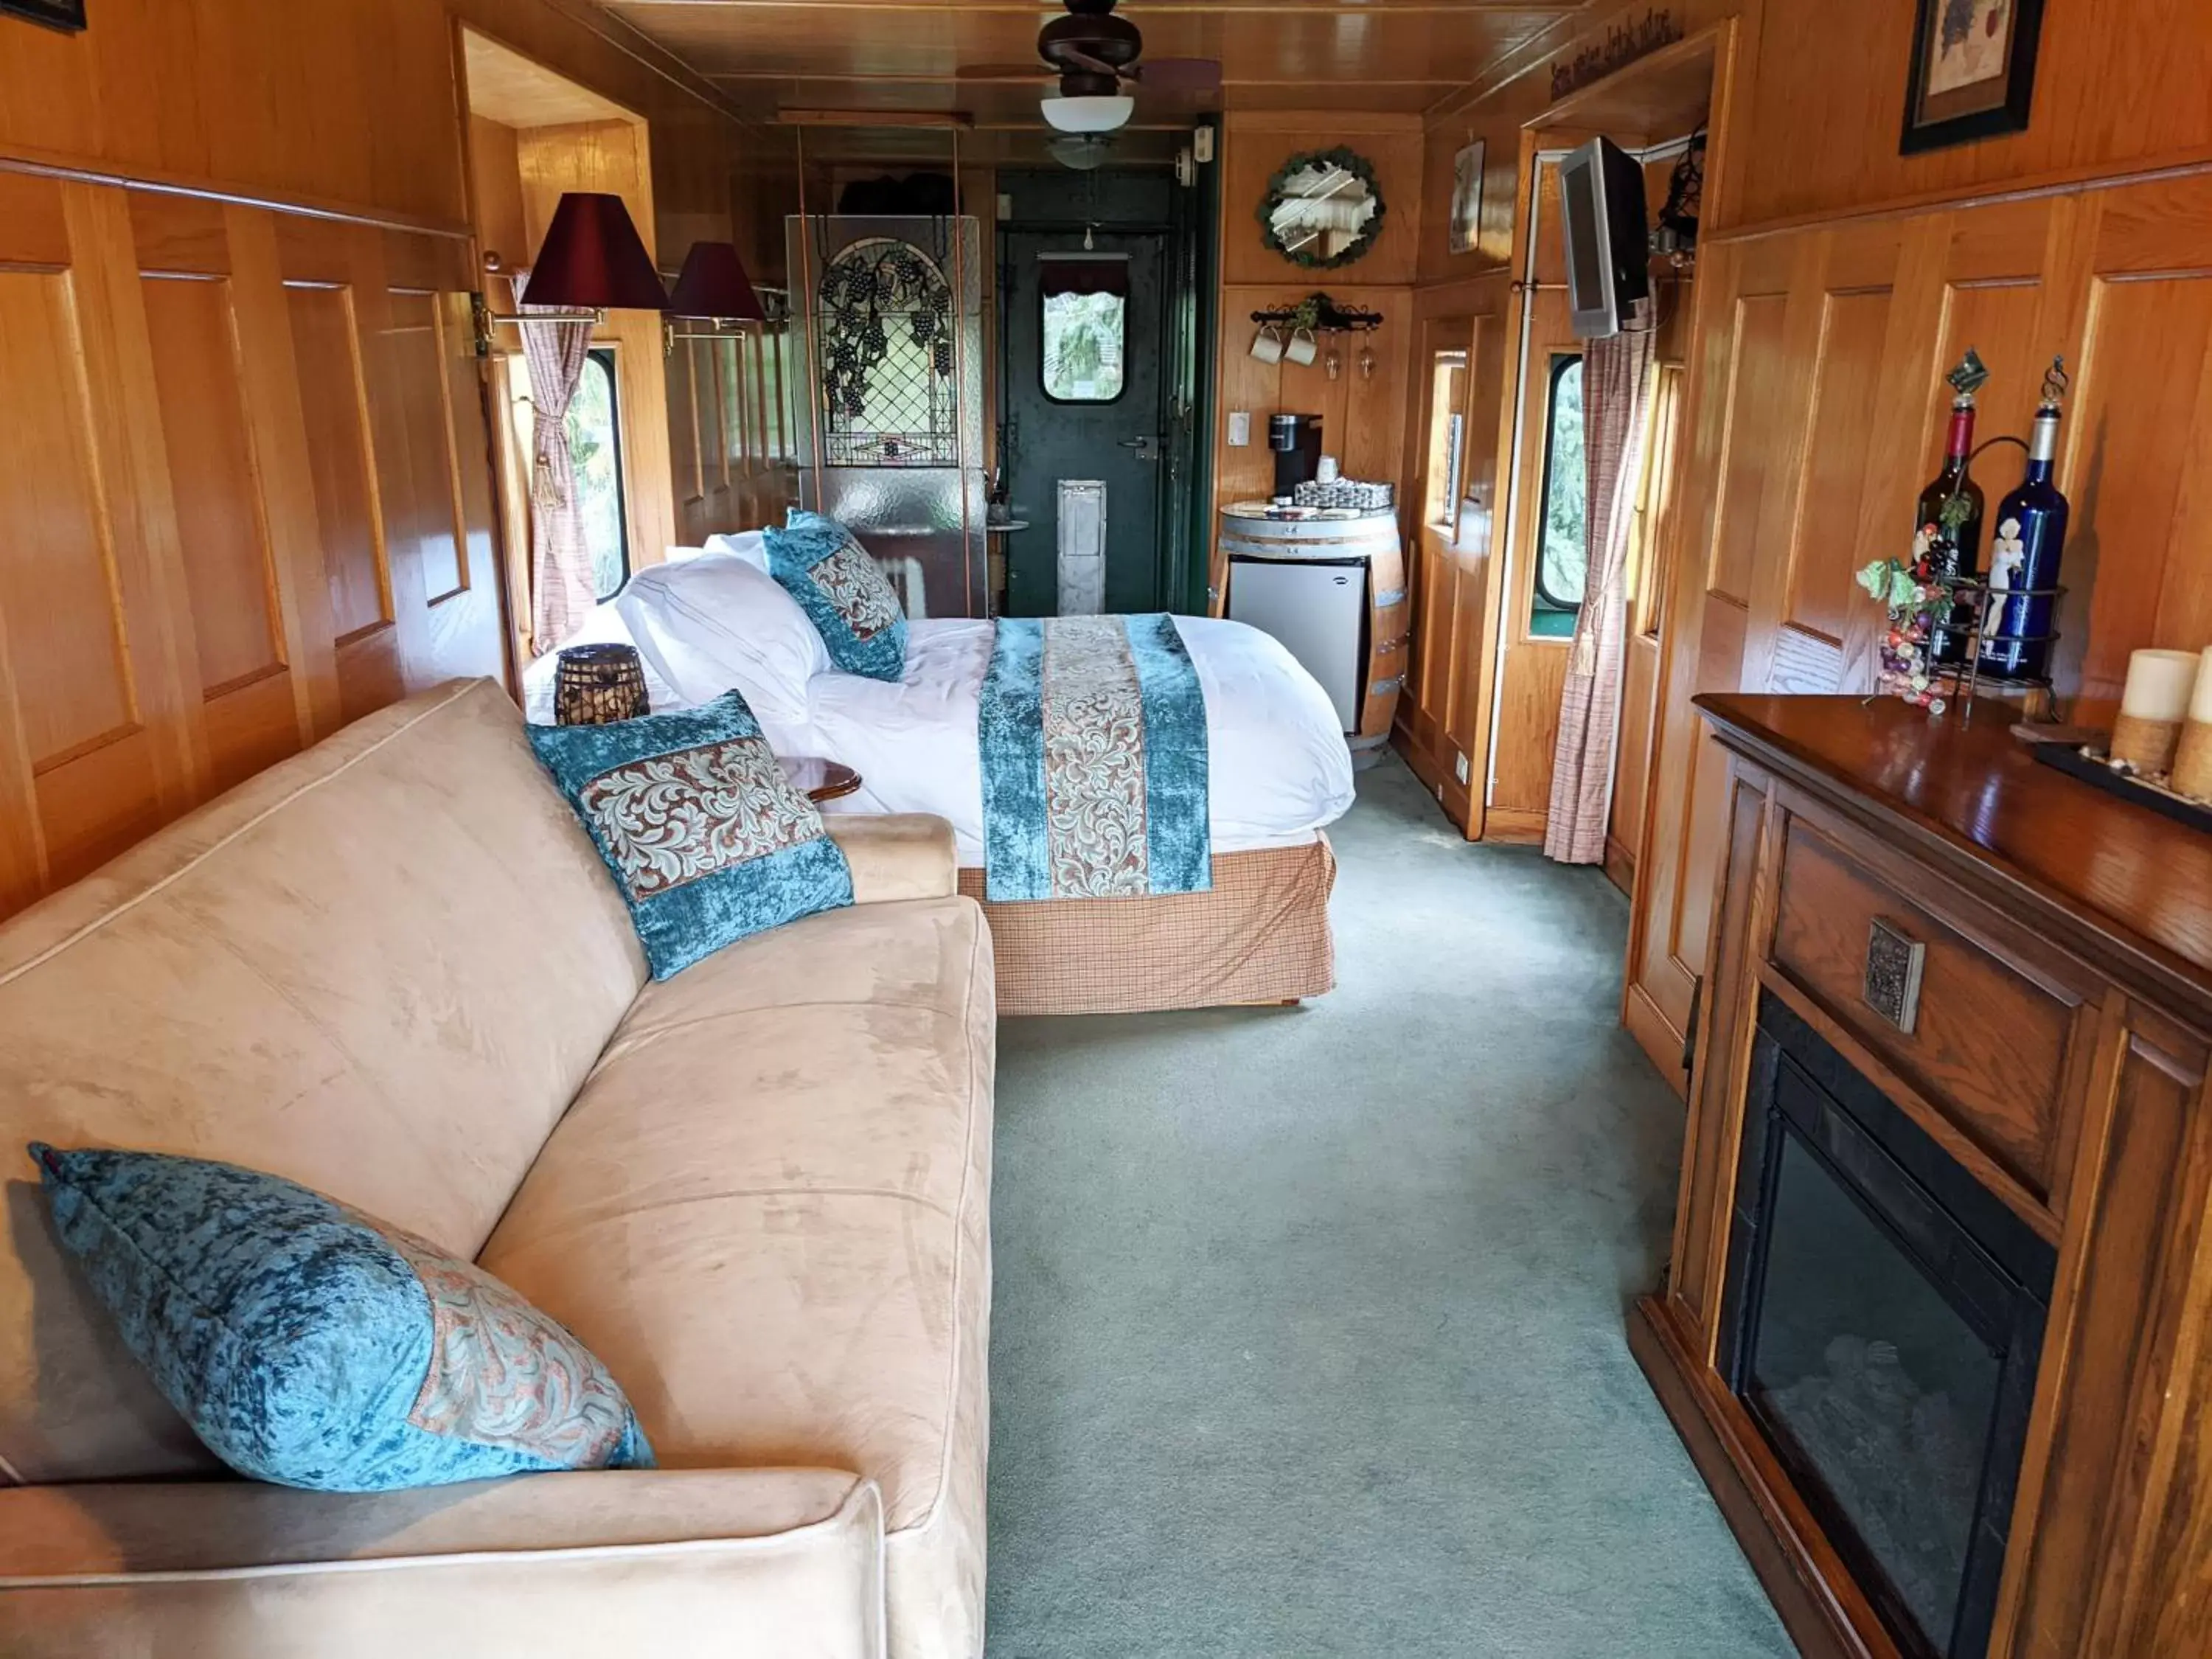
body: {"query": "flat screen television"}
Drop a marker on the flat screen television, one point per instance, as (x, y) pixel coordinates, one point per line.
(1608, 241)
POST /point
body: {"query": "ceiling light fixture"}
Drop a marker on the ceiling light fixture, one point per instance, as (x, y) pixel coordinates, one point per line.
(1087, 114)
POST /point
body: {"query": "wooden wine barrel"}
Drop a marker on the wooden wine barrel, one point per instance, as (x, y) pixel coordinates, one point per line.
(1372, 540)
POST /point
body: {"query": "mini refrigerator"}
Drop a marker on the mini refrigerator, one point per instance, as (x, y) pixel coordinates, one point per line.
(1318, 609)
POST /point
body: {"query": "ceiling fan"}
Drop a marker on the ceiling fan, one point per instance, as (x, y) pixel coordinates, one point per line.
(1094, 52)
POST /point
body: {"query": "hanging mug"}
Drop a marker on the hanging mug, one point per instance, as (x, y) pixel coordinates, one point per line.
(1302, 347)
(1267, 344)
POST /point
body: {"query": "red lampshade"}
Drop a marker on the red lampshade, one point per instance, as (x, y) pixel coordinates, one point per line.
(593, 260)
(713, 284)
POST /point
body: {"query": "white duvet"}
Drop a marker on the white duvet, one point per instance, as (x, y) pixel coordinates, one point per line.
(1279, 770)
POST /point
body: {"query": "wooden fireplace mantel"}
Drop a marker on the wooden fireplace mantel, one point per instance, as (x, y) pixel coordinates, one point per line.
(2060, 1053)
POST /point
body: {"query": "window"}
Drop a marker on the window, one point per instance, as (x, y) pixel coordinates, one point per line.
(595, 442)
(1084, 335)
(1447, 439)
(1563, 552)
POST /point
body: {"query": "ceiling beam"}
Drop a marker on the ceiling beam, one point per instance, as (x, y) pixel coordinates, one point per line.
(874, 118)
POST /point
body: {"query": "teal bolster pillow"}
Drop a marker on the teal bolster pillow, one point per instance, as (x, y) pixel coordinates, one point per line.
(843, 591)
(706, 837)
(309, 1346)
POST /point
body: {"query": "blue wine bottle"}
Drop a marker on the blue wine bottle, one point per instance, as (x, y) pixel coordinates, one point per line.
(2029, 536)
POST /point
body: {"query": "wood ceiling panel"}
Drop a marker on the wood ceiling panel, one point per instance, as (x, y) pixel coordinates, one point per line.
(1397, 55)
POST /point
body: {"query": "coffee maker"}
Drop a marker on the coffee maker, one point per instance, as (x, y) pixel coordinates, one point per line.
(1296, 439)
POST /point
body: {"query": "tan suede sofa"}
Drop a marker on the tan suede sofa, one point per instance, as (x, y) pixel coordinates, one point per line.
(394, 968)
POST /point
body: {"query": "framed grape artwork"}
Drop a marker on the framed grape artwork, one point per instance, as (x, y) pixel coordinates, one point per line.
(1973, 71)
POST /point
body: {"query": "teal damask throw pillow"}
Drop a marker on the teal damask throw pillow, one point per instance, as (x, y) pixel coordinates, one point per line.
(310, 1346)
(843, 591)
(705, 835)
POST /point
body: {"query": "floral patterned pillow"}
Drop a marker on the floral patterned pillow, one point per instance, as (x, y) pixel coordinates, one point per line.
(703, 833)
(843, 591)
(312, 1346)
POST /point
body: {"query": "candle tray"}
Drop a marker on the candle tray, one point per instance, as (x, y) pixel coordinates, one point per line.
(2088, 762)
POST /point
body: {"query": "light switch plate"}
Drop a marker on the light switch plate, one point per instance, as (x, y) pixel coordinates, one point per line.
(1459, 765)
(1240, 428)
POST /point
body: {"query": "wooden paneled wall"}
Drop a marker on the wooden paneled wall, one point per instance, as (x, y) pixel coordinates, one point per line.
(1362, 417)
(250, 494)
(1837, 280)
(1817, 411)
(246, 500)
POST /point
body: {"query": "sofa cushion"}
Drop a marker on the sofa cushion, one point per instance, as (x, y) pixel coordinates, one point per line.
(699, 825)
(753, 1564)
(381, 968)
(309, 1346)
(768, 1213)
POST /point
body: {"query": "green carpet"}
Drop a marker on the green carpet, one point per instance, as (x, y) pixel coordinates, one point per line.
(1307, 1337)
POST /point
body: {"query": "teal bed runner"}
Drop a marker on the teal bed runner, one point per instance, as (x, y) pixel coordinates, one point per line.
(1093, 736)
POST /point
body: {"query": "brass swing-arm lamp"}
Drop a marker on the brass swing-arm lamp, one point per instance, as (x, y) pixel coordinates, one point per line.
(592, 261)
(713, 289)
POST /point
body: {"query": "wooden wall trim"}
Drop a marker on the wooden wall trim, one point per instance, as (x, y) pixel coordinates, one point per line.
(2079, 181)
(36, 165)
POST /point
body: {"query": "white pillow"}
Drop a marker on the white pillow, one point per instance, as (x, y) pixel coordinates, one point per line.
(715, 622)
(751, 546)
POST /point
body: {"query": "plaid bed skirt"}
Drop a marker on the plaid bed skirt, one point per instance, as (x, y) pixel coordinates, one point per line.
(1261, 934)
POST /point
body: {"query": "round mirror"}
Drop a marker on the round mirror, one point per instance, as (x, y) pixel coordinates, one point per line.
(1323, 208)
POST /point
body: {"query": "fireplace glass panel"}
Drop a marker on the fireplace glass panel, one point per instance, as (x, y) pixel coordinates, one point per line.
(1867, 1371)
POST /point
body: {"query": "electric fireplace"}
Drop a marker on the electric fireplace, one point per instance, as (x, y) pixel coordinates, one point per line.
(1881, 1323)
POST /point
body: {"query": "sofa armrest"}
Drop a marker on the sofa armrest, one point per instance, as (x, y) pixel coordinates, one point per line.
(773, 1562)
(896, 855)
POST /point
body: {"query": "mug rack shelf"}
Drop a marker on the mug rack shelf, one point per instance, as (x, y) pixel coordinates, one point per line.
(1323, 316)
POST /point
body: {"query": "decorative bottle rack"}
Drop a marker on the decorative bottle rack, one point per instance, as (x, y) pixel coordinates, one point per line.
(1974, 596)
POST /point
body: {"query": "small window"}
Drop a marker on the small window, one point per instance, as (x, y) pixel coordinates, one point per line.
(1447, 438)
(595, 444)
(1563, 554)
(1082, 339)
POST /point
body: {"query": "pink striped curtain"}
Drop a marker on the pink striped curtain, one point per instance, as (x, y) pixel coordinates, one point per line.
(561, 588)
(1617, 390)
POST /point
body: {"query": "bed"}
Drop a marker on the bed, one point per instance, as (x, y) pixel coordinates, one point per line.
(1279, 774)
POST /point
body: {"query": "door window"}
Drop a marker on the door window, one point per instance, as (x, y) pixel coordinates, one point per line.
(1083, 337)
(1447, 438)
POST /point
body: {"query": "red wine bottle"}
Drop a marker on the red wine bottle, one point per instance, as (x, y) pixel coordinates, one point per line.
(1950, 530)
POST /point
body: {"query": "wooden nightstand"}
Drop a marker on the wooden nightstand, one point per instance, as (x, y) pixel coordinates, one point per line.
(819, 780)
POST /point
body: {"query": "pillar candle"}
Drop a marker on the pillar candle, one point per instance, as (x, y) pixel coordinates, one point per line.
(2153, 707)
(2192, 762)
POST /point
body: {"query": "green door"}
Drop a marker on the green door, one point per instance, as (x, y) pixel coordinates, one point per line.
(1085, 403)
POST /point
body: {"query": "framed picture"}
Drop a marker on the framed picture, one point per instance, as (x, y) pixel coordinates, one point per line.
(1973, 71)
(1467, 199)
(54, 14)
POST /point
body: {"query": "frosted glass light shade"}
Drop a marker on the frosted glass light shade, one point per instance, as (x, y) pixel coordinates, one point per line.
(1088, 114)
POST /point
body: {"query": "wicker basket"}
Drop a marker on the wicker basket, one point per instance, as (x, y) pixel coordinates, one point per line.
(599, 684)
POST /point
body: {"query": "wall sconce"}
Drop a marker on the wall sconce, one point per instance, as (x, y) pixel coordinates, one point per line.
(592, 261)
(713, 289)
